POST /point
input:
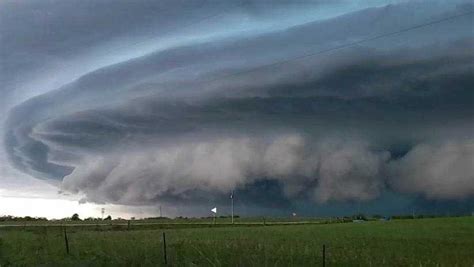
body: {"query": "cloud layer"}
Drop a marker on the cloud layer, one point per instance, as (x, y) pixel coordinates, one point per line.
(438, 171)
(202, 116)
(330, 170)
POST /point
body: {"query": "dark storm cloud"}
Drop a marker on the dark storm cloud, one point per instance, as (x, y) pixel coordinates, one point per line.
(51, 42)
(196, 121)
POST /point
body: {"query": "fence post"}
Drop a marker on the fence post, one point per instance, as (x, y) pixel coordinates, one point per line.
(66, 241)
(164, 249)
(324, 255)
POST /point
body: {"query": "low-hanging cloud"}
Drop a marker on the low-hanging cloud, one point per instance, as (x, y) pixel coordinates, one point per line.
(329, 170)
(441, 170)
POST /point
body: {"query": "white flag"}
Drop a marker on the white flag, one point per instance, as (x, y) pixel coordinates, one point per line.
(214, 210)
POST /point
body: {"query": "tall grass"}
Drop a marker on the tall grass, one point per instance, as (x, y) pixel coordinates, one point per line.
(427, 242)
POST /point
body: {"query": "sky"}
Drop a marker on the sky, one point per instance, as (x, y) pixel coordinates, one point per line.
(315, 107)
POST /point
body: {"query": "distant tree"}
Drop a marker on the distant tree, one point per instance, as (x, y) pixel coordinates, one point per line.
(377, 216)
(26, 218)
(108, 218)
(75, 217)
(92, 219)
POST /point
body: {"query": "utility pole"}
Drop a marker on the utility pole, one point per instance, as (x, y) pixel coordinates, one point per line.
(358, 211)
(161, 216)
(232, 205)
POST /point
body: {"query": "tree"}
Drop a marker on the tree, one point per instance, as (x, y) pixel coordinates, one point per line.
(75, 217)
(108, 218)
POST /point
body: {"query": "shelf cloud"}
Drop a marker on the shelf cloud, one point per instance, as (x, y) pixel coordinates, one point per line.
(178, 109)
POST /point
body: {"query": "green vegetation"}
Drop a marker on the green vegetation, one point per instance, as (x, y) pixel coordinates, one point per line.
(416, 242)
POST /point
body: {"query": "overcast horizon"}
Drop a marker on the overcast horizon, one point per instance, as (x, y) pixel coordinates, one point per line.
(314, 107)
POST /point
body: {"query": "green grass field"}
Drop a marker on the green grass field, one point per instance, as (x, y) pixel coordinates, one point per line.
(422, 242)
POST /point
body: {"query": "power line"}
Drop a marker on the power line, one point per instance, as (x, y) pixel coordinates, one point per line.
(187, 25)
(163, 35)
(311, 54)
(347, 45)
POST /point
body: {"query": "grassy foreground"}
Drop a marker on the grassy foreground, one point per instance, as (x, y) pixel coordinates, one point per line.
(423, 242)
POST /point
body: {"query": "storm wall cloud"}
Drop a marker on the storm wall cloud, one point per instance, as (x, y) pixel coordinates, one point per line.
(200, 110)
